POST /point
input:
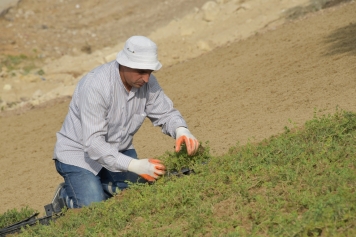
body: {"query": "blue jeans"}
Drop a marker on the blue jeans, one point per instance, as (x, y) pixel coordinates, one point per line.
(82, 187)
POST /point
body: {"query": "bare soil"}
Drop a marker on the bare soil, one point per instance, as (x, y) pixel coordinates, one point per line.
(242, 91)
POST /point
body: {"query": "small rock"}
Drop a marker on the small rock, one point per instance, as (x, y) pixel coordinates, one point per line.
(210, 11)
(203, 45)
(7, 87)
(35, 102)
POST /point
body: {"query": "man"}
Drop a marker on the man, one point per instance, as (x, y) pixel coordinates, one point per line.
(94, 151)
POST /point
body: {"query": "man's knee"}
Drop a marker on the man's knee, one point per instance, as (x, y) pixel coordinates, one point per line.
(80, 194)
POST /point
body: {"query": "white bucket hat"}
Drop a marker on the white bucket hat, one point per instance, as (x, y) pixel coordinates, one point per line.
(139, 52)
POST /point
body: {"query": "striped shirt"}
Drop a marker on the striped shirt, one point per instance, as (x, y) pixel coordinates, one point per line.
(103, 117)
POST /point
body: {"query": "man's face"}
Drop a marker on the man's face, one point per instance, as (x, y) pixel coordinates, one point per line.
(132, 77)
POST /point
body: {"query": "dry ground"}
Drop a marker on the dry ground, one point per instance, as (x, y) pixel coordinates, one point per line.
(243, 91)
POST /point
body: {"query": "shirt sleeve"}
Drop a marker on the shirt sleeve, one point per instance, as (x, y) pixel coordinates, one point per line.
(94, 101)
(160, 110)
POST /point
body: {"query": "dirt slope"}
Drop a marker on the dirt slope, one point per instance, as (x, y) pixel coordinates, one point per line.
(68, 27)
(244, 90)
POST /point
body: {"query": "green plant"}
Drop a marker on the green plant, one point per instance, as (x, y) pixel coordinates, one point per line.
(12, 216)
(40, 72)
(299, 183)
(20, 62)
(175, 161)
(12, 61)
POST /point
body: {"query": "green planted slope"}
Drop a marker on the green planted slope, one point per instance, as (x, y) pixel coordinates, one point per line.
(299, 183)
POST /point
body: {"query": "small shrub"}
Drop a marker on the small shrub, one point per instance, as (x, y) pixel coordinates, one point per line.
(176, 161)
(12, 216)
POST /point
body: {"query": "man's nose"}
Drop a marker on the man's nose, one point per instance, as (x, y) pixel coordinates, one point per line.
(146, 77)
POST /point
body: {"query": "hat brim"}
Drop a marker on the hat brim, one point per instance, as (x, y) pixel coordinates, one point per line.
(122, 59)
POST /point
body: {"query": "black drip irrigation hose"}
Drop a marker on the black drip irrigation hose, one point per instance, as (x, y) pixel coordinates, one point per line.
(30, 221)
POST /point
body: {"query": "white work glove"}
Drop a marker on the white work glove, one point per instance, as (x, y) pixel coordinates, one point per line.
(183, 135)
(149, 169)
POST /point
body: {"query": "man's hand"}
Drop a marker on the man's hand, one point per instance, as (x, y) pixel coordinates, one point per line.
(183, 135)
(149, 169)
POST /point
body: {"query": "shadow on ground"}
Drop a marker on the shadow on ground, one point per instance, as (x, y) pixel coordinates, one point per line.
(342, 40)
(314, 6)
